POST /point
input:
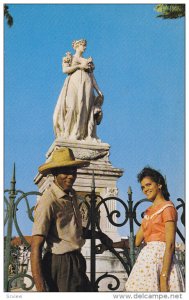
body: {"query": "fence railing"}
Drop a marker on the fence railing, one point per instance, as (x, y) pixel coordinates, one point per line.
(16, 260)
(12, 267)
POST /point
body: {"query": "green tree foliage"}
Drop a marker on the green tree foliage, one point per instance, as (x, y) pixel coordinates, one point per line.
(8, 16)
(170, 11)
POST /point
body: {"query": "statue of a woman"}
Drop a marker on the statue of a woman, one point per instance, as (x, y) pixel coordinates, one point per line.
(78, 110)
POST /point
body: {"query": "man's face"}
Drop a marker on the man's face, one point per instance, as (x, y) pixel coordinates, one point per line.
(66, 177)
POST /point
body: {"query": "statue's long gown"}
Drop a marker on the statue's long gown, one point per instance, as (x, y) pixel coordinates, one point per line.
(73, 111)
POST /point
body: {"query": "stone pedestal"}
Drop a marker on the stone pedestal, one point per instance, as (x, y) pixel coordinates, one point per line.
(106, 177)
(106, 263)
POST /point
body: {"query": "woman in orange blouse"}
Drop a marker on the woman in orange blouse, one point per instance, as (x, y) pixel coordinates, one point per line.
(156, 269)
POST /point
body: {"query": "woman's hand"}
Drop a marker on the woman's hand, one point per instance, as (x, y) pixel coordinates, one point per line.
(164, 284)
(100, 94)
(84, 66)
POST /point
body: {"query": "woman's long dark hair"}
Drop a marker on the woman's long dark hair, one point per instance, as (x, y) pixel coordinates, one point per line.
(156, 177)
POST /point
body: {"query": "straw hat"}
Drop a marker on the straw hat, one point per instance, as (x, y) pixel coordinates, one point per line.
(62, 157)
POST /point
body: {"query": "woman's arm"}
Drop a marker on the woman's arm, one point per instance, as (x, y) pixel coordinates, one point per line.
(78, 63)
(170, 231)
(139, 237)
(95, 85)
(70, 69)
(36, 259)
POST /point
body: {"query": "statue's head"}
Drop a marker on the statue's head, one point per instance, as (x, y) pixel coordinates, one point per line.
(77, 43)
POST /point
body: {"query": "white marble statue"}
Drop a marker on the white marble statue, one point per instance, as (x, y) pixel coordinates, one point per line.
(78, 110)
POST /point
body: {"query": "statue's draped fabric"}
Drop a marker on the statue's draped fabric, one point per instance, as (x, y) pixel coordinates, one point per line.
(75, 109)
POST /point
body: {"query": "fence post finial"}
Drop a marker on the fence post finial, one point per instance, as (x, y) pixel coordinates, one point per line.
(13, 181)
(129, 192)
(93, 182)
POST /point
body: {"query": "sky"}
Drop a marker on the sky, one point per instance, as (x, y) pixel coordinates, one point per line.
(140, 68)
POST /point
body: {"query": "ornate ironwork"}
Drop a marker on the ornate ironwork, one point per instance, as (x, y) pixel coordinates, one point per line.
(135, 209)
(110, 285)
(22, 285)
(11, 273)
(15, 269)
(182, 205)
(129, 211)
(115, 213)
(127, 259)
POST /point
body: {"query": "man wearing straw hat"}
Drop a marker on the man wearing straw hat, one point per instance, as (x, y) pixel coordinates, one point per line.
(57, 221)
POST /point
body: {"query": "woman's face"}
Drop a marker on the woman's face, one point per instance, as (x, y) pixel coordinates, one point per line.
(150, 188)
(81, 47)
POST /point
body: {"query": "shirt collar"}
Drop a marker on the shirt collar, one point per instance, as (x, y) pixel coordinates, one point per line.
(60, 193)
(154, 208)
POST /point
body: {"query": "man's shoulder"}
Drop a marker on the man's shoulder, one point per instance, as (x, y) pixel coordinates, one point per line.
(77, 196)
(48, 195)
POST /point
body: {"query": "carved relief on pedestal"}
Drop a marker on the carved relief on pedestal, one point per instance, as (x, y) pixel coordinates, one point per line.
(84, 208)
(88, 154)
(111, 206)
(84, 214)
(111, 192)
(100, 155)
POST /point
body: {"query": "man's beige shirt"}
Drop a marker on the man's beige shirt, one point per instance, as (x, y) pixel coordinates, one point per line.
(57, 217)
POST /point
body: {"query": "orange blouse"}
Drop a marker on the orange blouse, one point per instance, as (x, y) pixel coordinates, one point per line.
(153, 223)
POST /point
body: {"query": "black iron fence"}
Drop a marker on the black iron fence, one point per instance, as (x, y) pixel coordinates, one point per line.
(16, 263)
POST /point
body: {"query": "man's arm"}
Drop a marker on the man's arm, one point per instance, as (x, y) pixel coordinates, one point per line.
(104, 238)
(123, 244)
(106, 241)
(36, 260)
